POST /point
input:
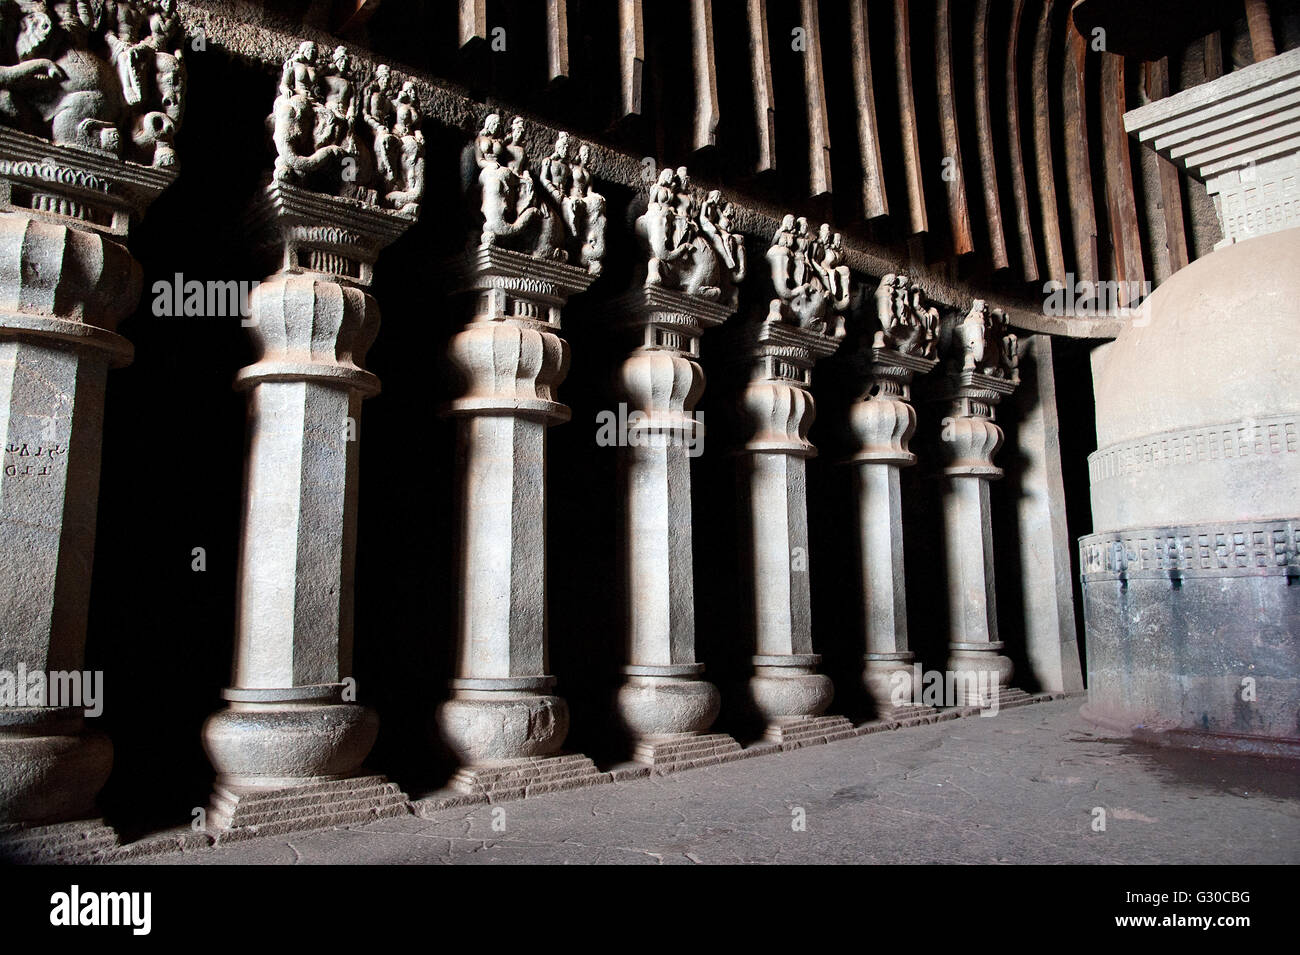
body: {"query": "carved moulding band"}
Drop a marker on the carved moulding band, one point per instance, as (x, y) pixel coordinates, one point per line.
(493, 267)
(317, 693)
(96, 192)
(786, 659)
(359, 380)
(665, 669)
(669, 307)
(315, 233)
(1239, 441)
(503, 684)
(1238, 549)
(59, 333)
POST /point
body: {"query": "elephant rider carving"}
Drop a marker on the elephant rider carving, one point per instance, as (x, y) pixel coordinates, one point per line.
(94, 74)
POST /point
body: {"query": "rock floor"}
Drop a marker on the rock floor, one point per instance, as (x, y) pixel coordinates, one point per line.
(1021, 787)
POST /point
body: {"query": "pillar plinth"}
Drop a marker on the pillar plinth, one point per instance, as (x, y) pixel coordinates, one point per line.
(66, 280)
(882, 423)
(509, 359)
(777, 409)
(291, 716)
(663, 695)
(981, 356)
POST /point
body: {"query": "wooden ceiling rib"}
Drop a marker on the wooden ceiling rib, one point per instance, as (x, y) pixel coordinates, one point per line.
(984, 139)
(1052, 203)
(911, 141)
(954, 177)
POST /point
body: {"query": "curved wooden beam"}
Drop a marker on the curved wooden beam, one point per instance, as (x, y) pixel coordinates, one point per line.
(984, 138)
(907, 120)
(473, 21)
(631, 55)
(557, 40)
(1048, 209)
(1078, 163)
(761, 72)
(706, 74)
(1019, 191)
(1171, 194)
(874, 201)
(819, 132)
(1126, 239)
(955, 181)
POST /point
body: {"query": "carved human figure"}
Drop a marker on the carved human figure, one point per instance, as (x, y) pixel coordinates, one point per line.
(298, 77)
(306, 134)
(688, 241)
(519, 212)
(588, 212)
(808, 294)
(56, 82)
(406, 187)
(379, 112)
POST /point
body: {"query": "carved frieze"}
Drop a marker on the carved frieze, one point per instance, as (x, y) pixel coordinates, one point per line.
(337, 136)
(107, 77)
(551, 212)
(689, 242)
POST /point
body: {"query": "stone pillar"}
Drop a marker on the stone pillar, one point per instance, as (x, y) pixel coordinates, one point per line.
(1051, 639)
(803, 323)
(882, 422)
(66, 280)
(689, 276)
(289, 743)
(981, 369)
(664, 704)
(502, 721)
(291, 716)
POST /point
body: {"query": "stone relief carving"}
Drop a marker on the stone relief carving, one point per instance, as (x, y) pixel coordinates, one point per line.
(812, 286)
(689, 240)
(907, 324)
(333, 136)
(552, 213)
(983, 344)
(107, 75)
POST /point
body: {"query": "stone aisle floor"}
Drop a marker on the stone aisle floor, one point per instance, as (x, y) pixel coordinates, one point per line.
(1019, 787)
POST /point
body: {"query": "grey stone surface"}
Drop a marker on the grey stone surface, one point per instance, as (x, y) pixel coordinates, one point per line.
(1211, 450)
(1021, 787)
(805, 321)
(1237, 135)
(66, 280)
(882, 422)
(690, 274)
(540, 241)
(980, 368)
(291, 715)
(1051, 636)
(1190, 610)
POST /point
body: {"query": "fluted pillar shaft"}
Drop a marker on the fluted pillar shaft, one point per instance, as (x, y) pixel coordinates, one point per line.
(510, 360)
(661, 381)
(291, 715)
(66, 280)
